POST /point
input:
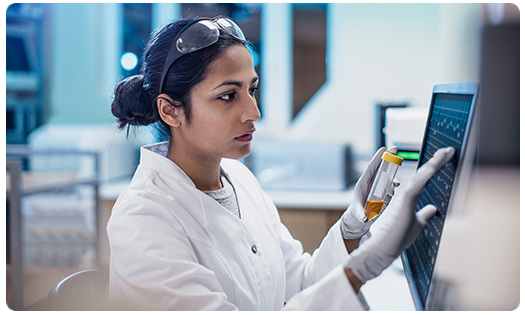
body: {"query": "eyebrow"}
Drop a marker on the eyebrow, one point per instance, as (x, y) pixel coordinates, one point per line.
(236, 83)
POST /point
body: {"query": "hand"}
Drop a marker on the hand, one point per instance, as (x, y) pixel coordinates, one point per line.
(400, 226)
(355, 224)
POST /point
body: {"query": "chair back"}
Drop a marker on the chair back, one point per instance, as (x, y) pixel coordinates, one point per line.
(86, 290)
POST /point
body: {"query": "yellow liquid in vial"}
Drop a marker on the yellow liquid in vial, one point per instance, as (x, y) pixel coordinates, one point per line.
(373, 208)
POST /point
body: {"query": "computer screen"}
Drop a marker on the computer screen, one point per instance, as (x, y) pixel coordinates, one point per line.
(16, 54)
(448, 125)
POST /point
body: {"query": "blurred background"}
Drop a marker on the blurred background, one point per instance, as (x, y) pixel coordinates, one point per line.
(330, 74)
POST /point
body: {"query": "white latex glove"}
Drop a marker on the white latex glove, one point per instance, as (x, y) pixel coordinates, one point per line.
(354, 223)
(400, 225)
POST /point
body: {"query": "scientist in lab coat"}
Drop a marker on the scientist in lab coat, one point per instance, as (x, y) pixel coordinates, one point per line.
(194, 230)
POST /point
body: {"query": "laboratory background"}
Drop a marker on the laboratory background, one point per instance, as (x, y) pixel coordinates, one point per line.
(338, 81)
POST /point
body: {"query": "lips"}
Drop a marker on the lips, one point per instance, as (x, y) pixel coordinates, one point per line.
(246, 137)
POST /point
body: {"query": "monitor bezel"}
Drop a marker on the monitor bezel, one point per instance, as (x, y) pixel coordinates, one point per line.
(461, 176)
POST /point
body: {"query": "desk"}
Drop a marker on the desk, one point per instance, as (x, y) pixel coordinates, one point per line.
(308, 215)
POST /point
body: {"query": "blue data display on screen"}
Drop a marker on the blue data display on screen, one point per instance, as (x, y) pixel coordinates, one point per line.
(446, 128)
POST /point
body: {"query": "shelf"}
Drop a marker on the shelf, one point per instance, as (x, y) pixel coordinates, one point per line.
(21, 183)
(38, 182)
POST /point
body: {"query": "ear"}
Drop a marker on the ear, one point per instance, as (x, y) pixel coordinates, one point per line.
(171, 115)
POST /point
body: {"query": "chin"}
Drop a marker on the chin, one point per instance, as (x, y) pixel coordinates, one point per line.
(239, 154)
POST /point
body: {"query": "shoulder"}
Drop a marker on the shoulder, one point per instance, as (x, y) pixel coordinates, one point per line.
(153, 200)
(135, 209)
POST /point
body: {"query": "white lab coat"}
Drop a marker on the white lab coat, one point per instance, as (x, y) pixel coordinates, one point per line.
(175, 248)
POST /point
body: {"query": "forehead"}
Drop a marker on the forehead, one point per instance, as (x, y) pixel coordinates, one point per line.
(233, 62)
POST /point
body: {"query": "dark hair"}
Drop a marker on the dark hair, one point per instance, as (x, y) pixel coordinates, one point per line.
(135, 97)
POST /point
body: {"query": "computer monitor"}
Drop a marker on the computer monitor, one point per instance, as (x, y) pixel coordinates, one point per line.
(22, 68)
(449, 124)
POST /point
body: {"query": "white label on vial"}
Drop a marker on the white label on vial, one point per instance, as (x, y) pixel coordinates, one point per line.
(381, 184)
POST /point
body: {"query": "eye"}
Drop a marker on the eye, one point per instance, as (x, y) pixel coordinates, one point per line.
(254, 90)
(227, 97)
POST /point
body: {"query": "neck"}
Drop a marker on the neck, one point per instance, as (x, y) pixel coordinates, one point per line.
(205, 173)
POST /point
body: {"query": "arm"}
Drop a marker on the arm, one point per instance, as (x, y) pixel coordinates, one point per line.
(303, 269)
(146, 273)
(332, 293)
(354, 281)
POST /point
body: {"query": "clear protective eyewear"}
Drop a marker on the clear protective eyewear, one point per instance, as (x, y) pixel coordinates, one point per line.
(198, 34)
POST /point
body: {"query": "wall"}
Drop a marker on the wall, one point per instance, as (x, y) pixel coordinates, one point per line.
(376, 53)
(84, 62)
(387, 53)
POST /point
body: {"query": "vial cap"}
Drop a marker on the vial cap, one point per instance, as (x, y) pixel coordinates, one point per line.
(392, 158)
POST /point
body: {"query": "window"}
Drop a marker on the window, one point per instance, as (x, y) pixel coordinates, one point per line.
(136, 32)
(309, 52)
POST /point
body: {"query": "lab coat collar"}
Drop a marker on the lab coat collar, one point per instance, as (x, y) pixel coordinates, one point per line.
(165, 165)
(157, 153)
(153, 157)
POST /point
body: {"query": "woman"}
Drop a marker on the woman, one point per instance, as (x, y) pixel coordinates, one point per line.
(194, 230)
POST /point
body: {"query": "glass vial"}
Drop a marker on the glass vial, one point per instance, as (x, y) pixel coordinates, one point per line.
(382, 183)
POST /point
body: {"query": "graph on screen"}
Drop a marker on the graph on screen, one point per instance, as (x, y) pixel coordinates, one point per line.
(446, 127)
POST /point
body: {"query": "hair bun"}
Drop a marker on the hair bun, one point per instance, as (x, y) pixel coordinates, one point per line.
(129, 103)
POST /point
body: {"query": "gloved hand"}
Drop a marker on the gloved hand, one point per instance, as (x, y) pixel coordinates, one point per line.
(354, 223)
(400, 225)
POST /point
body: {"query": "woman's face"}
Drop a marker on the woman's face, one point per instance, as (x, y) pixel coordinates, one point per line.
(223, 109)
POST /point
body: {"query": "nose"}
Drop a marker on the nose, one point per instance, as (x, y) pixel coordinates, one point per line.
(250, 110)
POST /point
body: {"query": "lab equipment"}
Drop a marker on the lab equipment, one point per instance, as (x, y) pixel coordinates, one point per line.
(294, 165)
(24, 101)
(380, 117)
(118, 153)
(354, 223)
(404, 128)
(30, 239)
(450, 123)
(59, 228)
(381, 185)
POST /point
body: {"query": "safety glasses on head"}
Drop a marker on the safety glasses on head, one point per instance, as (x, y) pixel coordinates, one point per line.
(198, 34)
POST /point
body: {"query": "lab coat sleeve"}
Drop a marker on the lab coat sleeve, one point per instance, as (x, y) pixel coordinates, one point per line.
(153, 266)
(308, 276)
(332, 293)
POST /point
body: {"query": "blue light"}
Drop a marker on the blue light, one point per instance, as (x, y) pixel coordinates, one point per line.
(129, 61)
(255, 56)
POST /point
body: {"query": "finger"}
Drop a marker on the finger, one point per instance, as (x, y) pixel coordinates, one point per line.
(426, 214)
(429, 169)
(392, 150)
(370, 170)
(358, 212)
(396, 183)
(441, 157)
(423, 216)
